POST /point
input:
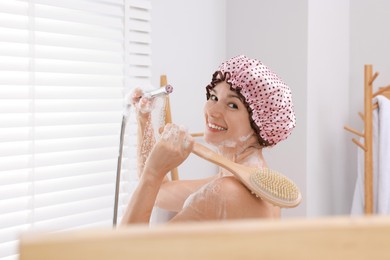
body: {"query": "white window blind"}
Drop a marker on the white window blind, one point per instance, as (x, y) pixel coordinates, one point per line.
(65, 66)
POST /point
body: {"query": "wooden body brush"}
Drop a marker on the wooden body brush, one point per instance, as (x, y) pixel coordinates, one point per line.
(271, 186)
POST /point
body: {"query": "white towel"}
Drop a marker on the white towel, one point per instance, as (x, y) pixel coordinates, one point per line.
(384, 156)
(381, 162)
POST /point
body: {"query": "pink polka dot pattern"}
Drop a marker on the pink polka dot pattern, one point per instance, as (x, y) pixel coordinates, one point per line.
(267, 98)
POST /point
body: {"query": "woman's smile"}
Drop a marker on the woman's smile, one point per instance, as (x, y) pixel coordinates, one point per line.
(216, 128)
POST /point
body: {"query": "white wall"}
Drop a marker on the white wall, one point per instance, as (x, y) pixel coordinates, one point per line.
(188, 44)
(370, 41)
(271, 32)
(329, 188)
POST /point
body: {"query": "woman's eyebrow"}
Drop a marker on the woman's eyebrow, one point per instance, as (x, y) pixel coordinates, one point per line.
(229, 96)
(234, 96)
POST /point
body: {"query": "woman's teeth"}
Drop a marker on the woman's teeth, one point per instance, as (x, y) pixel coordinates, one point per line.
(216, 127)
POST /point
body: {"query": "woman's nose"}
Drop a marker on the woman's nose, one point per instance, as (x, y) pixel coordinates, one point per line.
(215, 110)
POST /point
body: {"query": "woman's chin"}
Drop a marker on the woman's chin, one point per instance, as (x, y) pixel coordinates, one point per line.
(209, 140)
(214, 141)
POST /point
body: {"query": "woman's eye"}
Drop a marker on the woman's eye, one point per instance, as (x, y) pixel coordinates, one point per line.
(232, 105)
(213, 97)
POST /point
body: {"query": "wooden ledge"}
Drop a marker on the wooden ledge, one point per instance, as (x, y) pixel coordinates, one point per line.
(324, 238)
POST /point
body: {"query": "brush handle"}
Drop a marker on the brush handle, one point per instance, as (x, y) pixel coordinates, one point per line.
(211, 156)
(241, 172)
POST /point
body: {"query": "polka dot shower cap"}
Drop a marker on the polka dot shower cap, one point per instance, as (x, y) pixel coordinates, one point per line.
(267, 98)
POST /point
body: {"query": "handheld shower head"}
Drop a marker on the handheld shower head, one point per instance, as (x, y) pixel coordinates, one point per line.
(165, 90)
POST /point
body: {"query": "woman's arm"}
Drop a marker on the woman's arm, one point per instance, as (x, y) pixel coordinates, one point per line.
(145, 133)
(173, 194)
(142, 201)
(169, 152)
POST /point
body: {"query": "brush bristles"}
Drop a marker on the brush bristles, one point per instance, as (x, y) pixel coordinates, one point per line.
(275, 186)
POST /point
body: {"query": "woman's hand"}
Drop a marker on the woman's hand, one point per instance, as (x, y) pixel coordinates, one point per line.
(143, 106)
(169, 152)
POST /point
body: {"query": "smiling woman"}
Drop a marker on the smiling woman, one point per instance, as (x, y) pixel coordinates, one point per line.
(248, 107)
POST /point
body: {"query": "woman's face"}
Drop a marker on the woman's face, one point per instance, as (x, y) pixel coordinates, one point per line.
(227, 119)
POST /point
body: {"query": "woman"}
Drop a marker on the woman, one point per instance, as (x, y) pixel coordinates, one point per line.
(248, 108)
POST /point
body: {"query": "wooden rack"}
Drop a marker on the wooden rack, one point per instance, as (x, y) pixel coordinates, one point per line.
(367, 147)
(168, 119)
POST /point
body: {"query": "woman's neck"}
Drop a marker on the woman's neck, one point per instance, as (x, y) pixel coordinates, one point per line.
(239, 149)
(247, 152)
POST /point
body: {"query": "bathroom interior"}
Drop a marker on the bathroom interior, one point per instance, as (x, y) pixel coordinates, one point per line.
(320, 48)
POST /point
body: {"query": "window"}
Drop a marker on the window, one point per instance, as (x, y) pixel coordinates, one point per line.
(65, 66)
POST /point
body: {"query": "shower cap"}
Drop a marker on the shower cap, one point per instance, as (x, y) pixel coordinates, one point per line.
(267, 98)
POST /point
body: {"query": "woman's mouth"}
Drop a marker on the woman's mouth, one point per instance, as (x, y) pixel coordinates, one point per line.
(216, 127)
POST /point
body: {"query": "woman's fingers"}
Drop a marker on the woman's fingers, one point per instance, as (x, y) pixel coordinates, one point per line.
(177, 136)
(136, 95)
(142, 104)
(171, 150)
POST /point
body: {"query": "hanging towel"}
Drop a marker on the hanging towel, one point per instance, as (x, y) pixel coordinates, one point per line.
(381, 162)
(384, 156)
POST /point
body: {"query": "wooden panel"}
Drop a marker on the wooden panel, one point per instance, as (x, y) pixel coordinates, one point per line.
(328, 238)
(168, 119)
